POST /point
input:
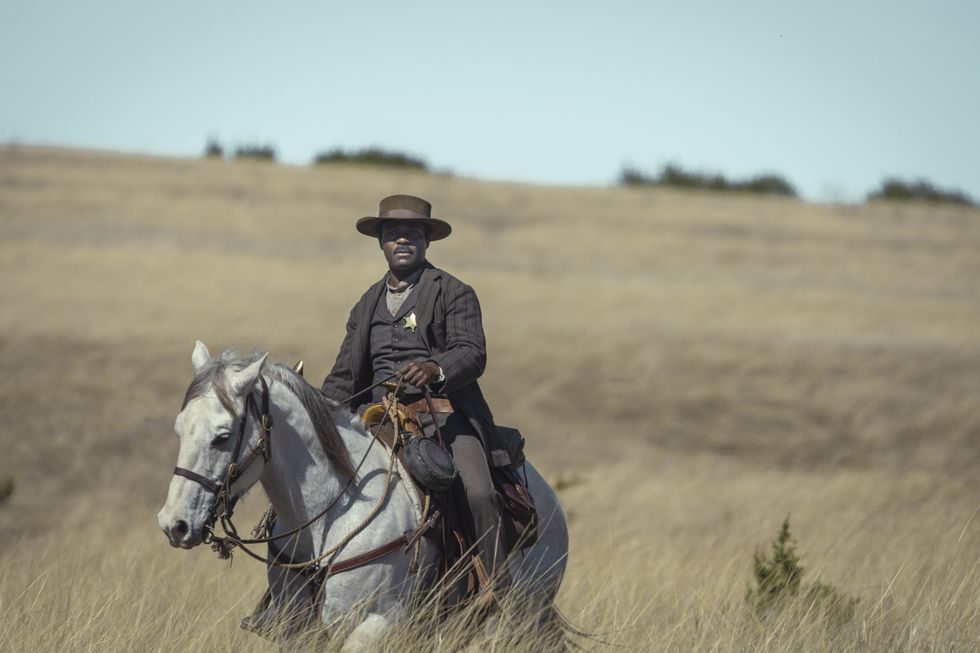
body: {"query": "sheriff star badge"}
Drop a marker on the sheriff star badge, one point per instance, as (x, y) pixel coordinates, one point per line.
(410, 322)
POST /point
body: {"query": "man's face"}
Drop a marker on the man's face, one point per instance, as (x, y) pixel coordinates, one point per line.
(404, 244)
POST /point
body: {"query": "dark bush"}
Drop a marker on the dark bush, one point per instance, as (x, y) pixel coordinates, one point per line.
(6, 489)
(371, 156)
(673, 176)
(632, 176)
(213, 149)
(921, 190)
(256, 152)
(779, 582)
(768, 185)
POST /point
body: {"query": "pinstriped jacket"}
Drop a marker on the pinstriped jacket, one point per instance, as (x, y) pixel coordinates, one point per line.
(448, 318)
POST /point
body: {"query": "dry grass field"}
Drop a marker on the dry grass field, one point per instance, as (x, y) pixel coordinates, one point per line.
(688, 368)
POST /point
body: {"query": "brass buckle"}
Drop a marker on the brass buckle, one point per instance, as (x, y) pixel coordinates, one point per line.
(266, 421)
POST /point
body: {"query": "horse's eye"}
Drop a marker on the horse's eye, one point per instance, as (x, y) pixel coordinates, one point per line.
(219, 438)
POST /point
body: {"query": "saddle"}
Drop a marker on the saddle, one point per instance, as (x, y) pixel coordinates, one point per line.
(435, 480)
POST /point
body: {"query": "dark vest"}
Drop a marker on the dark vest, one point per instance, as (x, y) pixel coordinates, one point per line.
(392, 344)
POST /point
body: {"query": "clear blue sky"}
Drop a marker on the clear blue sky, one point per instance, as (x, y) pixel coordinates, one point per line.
(834, 95)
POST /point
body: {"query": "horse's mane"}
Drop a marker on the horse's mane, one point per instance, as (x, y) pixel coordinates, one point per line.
(212, 375)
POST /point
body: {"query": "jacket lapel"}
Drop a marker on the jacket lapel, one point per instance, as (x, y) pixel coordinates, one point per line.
(428, 290)
(362, 335)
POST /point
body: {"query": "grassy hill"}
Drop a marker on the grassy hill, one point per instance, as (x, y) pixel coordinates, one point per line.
(690, 367)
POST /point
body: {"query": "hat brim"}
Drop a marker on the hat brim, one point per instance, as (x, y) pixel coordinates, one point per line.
(438, 229)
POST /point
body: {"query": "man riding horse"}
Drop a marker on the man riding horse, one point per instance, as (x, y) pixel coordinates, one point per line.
(423, 326)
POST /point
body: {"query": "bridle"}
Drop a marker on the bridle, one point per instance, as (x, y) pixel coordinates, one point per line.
(223, 504)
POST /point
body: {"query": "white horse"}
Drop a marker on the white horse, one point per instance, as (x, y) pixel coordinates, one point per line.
(304, 463)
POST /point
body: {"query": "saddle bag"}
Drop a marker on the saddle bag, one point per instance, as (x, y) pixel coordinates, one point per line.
(510, 448)
(520, 516)
(429, 464)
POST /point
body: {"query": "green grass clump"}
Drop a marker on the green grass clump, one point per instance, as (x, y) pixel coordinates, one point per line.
(779, 582)
(6, 489)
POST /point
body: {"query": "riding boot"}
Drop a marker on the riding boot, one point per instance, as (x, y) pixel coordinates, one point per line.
(484, 504)
(494, 575)
(491, 546)
(485, 508)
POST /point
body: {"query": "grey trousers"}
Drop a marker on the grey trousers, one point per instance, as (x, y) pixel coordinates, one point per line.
(474, 472)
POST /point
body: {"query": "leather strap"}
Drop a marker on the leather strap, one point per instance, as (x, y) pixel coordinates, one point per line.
(278, 555)
(369, 556)
(439, 405)
(194, 476)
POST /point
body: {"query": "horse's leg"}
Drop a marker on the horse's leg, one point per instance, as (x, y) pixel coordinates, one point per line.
(359, 616)
(365, 636)
(290, 605)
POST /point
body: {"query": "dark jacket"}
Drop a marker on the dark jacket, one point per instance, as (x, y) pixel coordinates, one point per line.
(448, 319)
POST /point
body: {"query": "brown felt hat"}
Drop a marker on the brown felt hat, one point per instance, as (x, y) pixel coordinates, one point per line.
(404, 208)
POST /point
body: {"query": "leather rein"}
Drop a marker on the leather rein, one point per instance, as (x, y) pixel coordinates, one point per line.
(223, 505)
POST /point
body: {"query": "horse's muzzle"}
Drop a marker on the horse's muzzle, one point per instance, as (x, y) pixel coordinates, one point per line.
(178, 533)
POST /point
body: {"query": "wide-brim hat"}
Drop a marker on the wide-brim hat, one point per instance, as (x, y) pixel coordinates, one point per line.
(404, 208)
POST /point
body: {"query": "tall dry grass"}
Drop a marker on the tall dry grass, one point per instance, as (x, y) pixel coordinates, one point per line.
(689, 369)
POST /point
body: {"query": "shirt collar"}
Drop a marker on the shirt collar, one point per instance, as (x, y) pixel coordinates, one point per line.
(393, 285)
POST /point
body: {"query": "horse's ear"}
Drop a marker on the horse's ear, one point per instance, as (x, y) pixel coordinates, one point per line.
(200, 356)
(244, 380)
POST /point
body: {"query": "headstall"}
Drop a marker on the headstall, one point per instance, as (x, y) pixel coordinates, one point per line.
(223, 503)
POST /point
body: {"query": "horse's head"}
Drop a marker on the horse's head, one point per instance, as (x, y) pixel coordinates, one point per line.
(209, 427)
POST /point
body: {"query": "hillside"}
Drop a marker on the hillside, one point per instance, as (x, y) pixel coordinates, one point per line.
(691, 367)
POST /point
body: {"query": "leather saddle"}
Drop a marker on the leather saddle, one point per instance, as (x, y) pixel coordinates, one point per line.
(398, 426)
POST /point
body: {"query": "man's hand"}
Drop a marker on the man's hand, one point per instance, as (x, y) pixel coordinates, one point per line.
(419, 373)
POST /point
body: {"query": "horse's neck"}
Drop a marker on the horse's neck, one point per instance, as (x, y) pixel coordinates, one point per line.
(299, 480)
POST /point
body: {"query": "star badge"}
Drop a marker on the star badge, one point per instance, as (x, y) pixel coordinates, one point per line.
(410, 322)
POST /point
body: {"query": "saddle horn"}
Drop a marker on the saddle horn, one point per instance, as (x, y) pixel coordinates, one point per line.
(298, 367)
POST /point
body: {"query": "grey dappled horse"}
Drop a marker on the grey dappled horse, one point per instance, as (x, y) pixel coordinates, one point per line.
(306, 468)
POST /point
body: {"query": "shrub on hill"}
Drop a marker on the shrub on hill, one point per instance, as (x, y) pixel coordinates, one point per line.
(921, 190)
(256, 152)
(371, 156)
(6, 489)
(769, 185)
(213, 149)
(633, 176)
(779, 582)
(673, 176)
